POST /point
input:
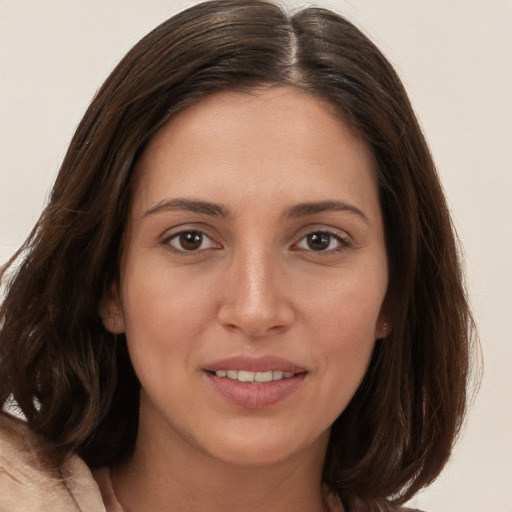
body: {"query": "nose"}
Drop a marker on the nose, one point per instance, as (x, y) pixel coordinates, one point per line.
(255, 297)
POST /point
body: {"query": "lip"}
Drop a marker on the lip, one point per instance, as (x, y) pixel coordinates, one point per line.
(249, 395)
(255, 364)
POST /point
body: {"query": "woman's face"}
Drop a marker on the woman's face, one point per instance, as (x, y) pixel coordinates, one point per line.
(254, 251)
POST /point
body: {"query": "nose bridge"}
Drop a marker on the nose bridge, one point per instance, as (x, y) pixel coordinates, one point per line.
(254, 299)
(257, 273)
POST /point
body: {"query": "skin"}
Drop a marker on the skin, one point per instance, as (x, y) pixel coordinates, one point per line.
(257, 283)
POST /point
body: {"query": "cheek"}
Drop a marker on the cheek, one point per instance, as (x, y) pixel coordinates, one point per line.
(346, 340)
(344, 320)
(160, 321)
(348, 306)
(162, 304)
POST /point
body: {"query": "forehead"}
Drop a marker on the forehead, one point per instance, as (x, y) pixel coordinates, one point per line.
(287, 109)
(273, 136)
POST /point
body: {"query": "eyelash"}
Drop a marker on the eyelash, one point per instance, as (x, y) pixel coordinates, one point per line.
(176, 236)
(343, 242)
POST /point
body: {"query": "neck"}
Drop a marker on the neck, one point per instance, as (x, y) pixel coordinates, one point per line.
(168, 473)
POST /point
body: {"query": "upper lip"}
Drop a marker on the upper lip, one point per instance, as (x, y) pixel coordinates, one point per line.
(255, 364)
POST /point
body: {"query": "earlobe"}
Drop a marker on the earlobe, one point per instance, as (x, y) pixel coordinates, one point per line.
(111, 311)
(383, 329)
(384, 325)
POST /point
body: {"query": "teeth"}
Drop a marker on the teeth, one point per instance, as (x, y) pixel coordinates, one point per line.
(246, 376)
(263, 376)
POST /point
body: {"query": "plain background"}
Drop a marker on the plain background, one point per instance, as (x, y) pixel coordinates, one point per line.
(455, 58)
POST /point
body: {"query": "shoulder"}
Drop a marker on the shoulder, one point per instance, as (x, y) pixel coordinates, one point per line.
(35, 476)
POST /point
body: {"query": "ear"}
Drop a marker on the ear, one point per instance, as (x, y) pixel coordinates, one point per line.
(384, 327)
(111, 311)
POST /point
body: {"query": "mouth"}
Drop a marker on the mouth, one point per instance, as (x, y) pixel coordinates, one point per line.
(255, 382)
(254, 377)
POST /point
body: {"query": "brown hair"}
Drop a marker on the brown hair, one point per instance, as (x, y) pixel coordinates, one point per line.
(73, 380)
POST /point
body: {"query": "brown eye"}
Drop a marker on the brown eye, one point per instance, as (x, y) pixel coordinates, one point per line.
(188, 241)
(323, 241)
(191, 241)
(318, 241)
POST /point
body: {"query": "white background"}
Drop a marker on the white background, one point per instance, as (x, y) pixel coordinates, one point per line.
(455, 58)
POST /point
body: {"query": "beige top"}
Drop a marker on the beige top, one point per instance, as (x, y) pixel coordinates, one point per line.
(31, 479)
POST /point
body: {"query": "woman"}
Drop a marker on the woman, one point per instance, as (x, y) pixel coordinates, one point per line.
(244, 292)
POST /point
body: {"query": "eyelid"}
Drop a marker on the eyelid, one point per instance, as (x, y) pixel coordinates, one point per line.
(170, 234)
(344, 239)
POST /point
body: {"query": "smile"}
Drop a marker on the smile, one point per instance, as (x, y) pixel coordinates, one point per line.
(257, 377)
(255, 382)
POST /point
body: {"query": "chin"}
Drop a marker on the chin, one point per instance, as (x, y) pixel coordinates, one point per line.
(252, 456)
(266, 448)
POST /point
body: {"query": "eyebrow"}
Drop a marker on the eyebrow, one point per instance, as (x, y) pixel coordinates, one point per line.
(217, 210)
(304, 209)
(189, 205)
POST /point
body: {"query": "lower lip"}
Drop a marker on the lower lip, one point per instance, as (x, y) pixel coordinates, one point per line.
(251, 395)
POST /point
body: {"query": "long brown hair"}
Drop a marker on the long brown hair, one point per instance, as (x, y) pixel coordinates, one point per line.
(73, 380)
